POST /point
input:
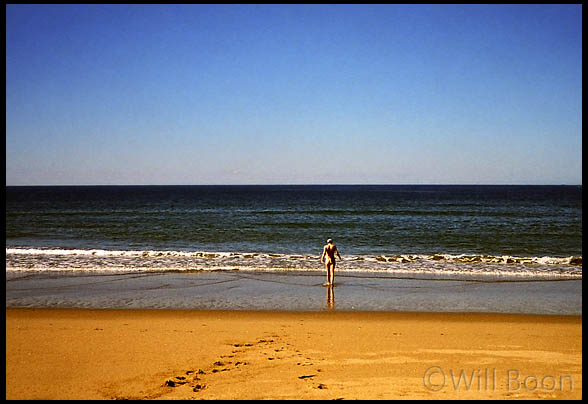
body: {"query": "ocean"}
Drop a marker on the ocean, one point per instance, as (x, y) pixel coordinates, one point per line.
(438, 247)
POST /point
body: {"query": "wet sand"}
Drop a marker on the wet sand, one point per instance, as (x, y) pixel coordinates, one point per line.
(200, 354)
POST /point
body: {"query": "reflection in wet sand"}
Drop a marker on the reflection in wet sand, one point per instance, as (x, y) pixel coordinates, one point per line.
(330, 298)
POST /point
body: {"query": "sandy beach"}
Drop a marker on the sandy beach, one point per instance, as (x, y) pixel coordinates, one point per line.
(186, 354)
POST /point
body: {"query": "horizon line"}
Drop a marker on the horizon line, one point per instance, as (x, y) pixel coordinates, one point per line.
(281, 184)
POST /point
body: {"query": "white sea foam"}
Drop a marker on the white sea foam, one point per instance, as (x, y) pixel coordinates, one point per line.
(61, 259)
(507, 259)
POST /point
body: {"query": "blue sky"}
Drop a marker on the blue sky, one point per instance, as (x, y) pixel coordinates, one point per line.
(293, 94)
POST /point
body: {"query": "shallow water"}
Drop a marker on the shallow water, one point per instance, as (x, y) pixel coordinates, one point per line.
(297, 291)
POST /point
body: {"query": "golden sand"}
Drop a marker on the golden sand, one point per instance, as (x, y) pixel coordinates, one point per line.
(175, 354)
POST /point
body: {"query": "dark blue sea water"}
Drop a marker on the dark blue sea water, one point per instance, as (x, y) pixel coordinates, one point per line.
(440, 233)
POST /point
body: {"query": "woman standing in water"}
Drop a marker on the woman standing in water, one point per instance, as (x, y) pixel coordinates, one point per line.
(329, 252)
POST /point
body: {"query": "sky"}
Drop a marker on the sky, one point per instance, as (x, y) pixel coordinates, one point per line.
(293, 94)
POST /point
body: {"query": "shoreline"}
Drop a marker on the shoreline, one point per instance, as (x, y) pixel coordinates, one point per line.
(75, 353)
(324, 310)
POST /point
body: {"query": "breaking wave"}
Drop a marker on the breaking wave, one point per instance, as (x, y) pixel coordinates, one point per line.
(448, 265)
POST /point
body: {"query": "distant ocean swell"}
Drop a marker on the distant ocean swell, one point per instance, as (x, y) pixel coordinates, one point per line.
(445, 265)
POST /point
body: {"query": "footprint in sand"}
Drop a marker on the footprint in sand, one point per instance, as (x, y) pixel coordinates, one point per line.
(240, 345)
(179, 380)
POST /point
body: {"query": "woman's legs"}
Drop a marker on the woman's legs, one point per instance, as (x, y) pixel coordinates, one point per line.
(330, 272)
